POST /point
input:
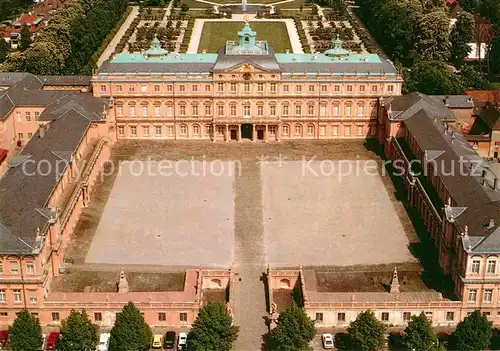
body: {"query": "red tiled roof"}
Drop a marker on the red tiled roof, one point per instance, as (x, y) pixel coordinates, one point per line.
(449, 2)
(28, 19)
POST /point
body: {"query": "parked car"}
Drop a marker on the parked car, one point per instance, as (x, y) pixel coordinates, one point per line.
(4, 336)
(103, 342)
(44, 342)
(52, 340)
(328, 341)
(157, 341)
(169, 340)
(181, 345)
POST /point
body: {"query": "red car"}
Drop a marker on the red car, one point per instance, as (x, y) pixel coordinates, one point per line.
(4, 336)
(52, 340)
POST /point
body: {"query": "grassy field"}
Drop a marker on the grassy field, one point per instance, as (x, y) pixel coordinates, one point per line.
(215, 34)
(192, 4)
(294, 4)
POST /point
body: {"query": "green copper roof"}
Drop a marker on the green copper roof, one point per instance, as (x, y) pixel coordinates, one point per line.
(168, 58)
(337, 49)
(156, 49)
(247, 31)
(322, 58)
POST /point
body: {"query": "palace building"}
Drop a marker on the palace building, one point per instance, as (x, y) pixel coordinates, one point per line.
(246, 91)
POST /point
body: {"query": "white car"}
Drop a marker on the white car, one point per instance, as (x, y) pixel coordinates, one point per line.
(103, 342)
(182, 341)
(328, 341)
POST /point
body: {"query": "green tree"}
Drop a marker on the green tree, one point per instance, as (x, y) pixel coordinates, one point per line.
(473, 333)
(294, 330)
(184, 7)
(419, 334)
(212, 329)
(474, 79)
(78, 333)
(4, 50)
(130, 332)
(461, 34)
(432, 78)
(25, 333)
(432, 38)
(25, 40)
(366, 333)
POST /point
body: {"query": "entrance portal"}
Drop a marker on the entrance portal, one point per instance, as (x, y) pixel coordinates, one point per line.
(234, 134)
(260, 134)
(246, 131)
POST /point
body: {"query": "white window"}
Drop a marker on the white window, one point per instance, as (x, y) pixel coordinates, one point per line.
(488, 295)
(170, 88)
(310, 130)
(246, 110)
(246, 87)
(260, 87)
(390, 88)
(103, 88)
(28, 116)
(492, 267)
(207, 110)
(361, 110)
(18, 116)
(349, 88)
(157, 88)
(157, 111)
(144, 111)
(310, 110)
(285, 88)
(220, 87)
(232, 110)
(119, 110)
(361, 88)
(322, 110)
(118, 88)
(347, 130)
(273, 87)
(311, 88)
(285, 110)
(121, 130)
(298, 110)
(319, 317)
(30, 268)
(348, 110)
(298, 88)
(472, 295)
(196, 130)
(182, 88)
(336, 88)
(220, 110)
(285, 130)
(1, 268)
(195, 110)
(272, 130)
(260, 110)
(145, 130)
(475, 266)
(183, 130)
(406, 316)
(144, 88)
(33, 297)
(17, 295)
(272, 110)
(133, 130)
(322, 130)
(170, 130)
(360, 130)
(3, 296)
(158, 130)
(30, 135)
(336, 110)
(14, 267)
(170, 110)
(233, 87)
(182, 110)
(207, 88)
(324, 88)
(335, 130)
(208, 130)
(373, 130)
(37, 115)
(450, 316)
(195, 88)
(132, 111)
(298, 130)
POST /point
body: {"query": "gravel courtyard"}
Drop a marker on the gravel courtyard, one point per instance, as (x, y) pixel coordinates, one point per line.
(330, 213)
(178, 215)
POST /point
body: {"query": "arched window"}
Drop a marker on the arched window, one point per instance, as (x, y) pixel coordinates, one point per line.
(298, 109)
(491, 264)
(310, 130)
(285, 283)
(183, 130)
(285, 130)
(298, 130)
(348, 109)
(196, 130)
(361, 109)
(285, 108)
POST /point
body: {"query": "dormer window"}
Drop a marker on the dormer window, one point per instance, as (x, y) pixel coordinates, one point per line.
(247, 39)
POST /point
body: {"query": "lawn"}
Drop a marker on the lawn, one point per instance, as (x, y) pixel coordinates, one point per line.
(294, 4)
(215, 34)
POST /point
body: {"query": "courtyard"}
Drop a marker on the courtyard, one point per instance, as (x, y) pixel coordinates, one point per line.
(216, 34)
(195, 213)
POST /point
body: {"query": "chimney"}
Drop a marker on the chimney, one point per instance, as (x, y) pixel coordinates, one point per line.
(395, 282)
(491, 224)
(122, 284)
(42, 131)
(495, 183)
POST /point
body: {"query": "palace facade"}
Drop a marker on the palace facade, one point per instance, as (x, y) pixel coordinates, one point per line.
(246, 91)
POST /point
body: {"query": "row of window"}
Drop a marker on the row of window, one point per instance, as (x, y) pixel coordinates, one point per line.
(298, 130)
(20, 136)
(162, 316)
(487, 295)
(14, 268)
(248, 87)
(491, 266)
(384, 316)
(27, 116)
(298, 110)
(17, 296)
